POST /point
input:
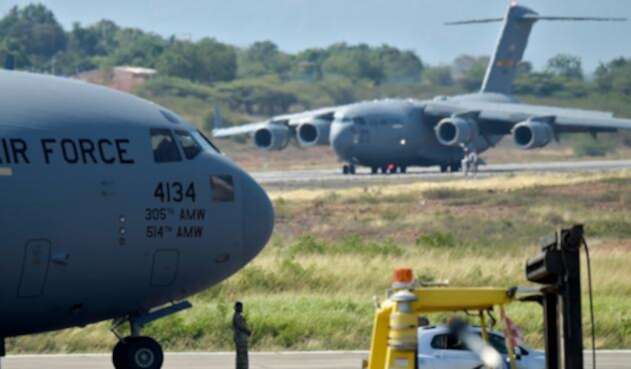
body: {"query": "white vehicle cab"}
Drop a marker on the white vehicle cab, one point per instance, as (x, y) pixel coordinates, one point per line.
(438, 349)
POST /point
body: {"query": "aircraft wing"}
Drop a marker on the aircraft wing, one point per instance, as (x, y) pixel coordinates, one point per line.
(290, 120)
(499, 118)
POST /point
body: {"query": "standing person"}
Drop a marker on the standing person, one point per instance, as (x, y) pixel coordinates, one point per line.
(241, 334)
(465, 159)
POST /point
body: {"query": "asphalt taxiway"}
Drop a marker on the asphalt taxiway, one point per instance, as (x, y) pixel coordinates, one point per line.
(277, 360)
(299, 177)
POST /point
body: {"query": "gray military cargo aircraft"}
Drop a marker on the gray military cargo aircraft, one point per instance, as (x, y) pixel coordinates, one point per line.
(112, 207)
(394, 134)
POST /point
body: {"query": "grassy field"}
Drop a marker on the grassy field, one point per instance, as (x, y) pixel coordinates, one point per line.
(334, 249)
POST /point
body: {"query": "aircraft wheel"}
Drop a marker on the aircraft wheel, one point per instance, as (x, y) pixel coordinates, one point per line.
(138, 353)
(118, 355)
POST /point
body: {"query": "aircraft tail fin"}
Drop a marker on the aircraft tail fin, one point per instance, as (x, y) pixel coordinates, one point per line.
(512, 43)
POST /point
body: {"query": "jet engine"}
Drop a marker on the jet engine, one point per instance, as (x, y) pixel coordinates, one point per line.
(455, 131)
(272, 137)
(315, 133)
(532, 134)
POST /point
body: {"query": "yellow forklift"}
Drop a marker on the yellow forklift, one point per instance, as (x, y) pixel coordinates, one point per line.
(556, 269)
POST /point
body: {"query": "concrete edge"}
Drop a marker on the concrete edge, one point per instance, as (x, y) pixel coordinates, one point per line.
(268, 353)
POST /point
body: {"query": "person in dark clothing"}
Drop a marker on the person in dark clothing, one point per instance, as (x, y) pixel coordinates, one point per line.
(241, 335)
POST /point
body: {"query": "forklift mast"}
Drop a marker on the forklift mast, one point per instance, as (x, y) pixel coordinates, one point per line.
(557, 268)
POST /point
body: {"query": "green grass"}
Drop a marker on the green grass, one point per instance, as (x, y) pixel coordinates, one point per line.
(313, 286)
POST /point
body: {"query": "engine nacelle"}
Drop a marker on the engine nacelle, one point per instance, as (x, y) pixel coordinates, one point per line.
(314, 133)
(532, 134)
(456, 131)
(272, 137)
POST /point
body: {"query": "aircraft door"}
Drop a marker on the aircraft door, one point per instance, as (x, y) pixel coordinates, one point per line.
(35, 268)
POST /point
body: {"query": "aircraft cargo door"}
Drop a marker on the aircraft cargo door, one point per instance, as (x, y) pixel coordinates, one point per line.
(35, 268)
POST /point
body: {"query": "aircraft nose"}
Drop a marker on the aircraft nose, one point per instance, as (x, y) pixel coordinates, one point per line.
(342, 139)
(259, 219)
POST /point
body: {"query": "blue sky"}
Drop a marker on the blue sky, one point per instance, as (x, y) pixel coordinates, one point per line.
(410, 24)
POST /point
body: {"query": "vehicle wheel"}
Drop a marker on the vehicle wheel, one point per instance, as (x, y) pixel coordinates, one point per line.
(444, 168)
(374, 170)
(118, 354)
(384, 170)
(403, 169)
(143, 353)
(455, 167)
(345, 169)
(351, 169)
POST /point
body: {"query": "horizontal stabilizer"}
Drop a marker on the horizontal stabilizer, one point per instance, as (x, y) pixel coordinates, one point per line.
(475, 21)
(535, 17)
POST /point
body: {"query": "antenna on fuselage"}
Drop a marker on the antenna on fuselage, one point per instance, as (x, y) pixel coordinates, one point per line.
(512, 43)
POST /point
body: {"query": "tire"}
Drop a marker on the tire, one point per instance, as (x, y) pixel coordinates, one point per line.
(403, 169)
(351, 169)
(444, 168)
(118, 354)
(374, 170)
(345, 170)
(384, 170)
(143, 353)
(455, 167)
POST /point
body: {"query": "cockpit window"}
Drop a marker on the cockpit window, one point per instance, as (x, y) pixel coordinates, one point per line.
(164, 147)
(222, 188)
(188, 144)
(206, 143)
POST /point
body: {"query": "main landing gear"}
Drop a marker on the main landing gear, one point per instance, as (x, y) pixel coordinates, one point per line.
(390, 169)
(453, 167)
(136, 351)
(348, 169)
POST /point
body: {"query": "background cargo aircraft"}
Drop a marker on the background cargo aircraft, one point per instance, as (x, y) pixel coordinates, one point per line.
(111, 206)
(397, 133)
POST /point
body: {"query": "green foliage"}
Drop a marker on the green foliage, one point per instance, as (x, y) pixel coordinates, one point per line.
(615, 76)
(437, 239)
(469, 71)
(566, 66)
(205, 61)
(438, 76)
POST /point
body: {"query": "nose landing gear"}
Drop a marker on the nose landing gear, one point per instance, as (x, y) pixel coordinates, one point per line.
(136, 351)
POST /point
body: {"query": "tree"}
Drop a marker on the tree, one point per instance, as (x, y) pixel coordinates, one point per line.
(469, 71)
(566, 66)
(400, 66)
(206, 61)
(263, 58)
(438, 76)
(354, 62)
(36, 28)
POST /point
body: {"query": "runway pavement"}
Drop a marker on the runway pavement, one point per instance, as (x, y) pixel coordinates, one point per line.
(363, 174)
(296, 360)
